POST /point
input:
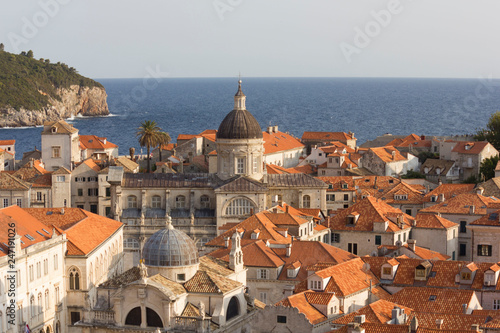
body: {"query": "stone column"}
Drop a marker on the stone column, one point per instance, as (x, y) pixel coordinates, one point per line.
(167, 202)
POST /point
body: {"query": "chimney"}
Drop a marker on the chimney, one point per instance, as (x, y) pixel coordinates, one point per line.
(480, 190)
(475, 328)
(286, 208)
(414, 325)
(31, 162)
(393, 155)
(355, 328)
(288, 250)
(226, 242)
(472, 208)
(411, 244)
(275, 129)
(62, 211)
(269, 129)
(441, 197)
(359, 319)
(440, 182)
(464, 308)
(398, 316)
(439, 323)
(104, 141)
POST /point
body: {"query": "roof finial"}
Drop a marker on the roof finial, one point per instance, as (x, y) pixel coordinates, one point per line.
(168, 222)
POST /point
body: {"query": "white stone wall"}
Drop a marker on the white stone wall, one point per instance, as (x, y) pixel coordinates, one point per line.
(444, 241)
(83, 171)
(484, 235)
(61, 191)
(48, 282)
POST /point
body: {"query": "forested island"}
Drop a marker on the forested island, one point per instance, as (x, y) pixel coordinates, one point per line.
(35, 90)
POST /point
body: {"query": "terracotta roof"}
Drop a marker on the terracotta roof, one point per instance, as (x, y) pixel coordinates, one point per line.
(9, 182)
(424, 253)
(62, 171)
(431, 221)
(361, 182)
(26, 225)
(327, 136)
(278, 141)
(413, 196)
(447, 301)
(470, 147)
(433, 165)
(85, 230)
(491, 187)
(288, 219)
(451, 322)
(209, 282)
(347, 278)
(301, 303)
(169, 146)
(95, 142)
(91, 164)
(127, 164)
(461, 205)
(370, 211)
(7, 142)
(378, 328)
(307, 169)
(386, 154)
(491, 219)
(255, 254)
(61, 126)
(377, 312)
(214, 265)
(449, 190)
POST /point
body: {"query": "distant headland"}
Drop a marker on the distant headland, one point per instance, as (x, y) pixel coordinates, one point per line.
(33, 91)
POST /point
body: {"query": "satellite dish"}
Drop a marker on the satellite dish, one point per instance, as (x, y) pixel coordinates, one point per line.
(399, 243)
(374, 254)
(366, 267)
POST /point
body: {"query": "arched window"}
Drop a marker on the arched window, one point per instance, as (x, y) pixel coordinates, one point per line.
(47, 299)
(306, 201)
(40, 305)
(156, 201)
(132, 201)
(74, 279)
(180, 201)
(58, 327)
(204, 201)
(32, 306)
(239, 206)
(134, 317)
(153, 319)
(233, 308)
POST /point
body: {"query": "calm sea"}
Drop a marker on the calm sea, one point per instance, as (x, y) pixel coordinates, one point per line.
(366, 106)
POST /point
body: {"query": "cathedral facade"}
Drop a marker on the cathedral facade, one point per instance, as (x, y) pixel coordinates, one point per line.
(200, 203)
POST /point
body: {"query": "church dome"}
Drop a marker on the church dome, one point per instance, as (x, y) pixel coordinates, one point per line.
(239, 123)
(169, 247)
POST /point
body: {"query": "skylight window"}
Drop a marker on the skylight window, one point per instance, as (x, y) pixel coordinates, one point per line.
(48, 233)
(40, 233)
(432, 298)
(29, 237)
(49, 213)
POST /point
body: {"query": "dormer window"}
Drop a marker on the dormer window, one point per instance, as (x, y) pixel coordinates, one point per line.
(433, 198)
(54, 129)
(401, 197)
(352, 218)
(420, 272)
(315, 285)
(344, 186)
(465, 275)
(468, 146)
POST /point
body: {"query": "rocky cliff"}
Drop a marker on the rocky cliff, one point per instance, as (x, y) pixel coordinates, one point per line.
(75, 100)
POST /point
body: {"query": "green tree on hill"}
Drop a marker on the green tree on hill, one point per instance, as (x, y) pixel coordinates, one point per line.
(29, 54)
(2, 47)
(492, 131)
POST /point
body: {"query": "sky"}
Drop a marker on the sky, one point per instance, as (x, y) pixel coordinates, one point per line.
(279, 38)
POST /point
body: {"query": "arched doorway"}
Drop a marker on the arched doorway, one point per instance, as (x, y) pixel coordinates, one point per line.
(134, 317)
(233, 308)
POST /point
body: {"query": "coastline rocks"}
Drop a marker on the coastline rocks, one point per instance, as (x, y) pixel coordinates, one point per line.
(86, 101)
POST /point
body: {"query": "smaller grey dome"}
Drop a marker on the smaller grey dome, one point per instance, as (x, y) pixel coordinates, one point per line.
(169, 247)
(239, 124)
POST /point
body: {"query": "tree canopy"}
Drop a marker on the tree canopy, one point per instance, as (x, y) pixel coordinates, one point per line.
(27, 77)
(150, 135)
(492, 131)
(487, 168)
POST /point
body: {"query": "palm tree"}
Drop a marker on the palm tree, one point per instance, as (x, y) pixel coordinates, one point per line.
(149, 135)
(164, 139)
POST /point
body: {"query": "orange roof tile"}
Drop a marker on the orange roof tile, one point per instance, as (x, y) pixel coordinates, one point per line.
(386, 154)
(371, 211)
(7, 142)
(279, 141)
(449, 190)
(472, 147)
(431, 221)
(327, 136)
(95, 142)
(377, 312)
(300, 302)
(26, 225)
(85, 230)
(445, 301)
(461, 205)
